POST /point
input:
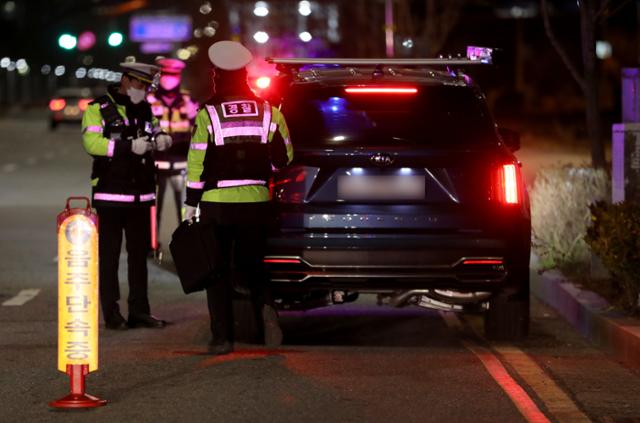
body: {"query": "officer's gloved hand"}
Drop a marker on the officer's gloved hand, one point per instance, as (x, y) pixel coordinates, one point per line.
(163, 142)
(189, 212)
(140, 145)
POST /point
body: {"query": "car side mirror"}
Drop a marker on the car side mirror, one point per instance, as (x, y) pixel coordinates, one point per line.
(510, 138)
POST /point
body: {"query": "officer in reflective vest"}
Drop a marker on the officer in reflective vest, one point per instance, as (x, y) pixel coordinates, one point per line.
(176, 112)
(120, 133)
(238, 140)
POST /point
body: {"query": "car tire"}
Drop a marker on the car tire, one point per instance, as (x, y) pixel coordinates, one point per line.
(53, 125)
(245, 321)
(507, 318)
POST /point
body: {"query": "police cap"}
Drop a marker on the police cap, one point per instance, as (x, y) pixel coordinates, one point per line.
(229, 55)
(170, 66)
(141, 71)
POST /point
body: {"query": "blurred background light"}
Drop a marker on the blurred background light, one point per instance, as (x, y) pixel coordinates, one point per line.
(304, 8)
(305, 36)
(86, 40)
(261, 9)
(67, 41)
(183, 54)
(261, 37)
(206, 8)
(81, 73)
(603, 49)
(115, 39)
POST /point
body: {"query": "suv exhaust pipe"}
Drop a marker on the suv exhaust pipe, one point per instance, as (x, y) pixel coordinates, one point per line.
(437, 299)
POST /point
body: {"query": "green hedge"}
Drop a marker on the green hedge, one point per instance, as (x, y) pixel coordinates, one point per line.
(614, 235)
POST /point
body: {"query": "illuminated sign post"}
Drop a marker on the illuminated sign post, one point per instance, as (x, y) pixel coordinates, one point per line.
(77, 302)
(158, 33)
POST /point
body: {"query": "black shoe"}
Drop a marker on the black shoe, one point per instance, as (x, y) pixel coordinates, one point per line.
(217, 348)
(145, 321)
(272, 331)
(115, 322)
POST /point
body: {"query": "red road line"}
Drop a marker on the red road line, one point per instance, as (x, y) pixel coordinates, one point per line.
(519, 396)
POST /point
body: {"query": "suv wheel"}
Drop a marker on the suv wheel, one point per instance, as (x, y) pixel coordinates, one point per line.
(508, 316)
(246, 324)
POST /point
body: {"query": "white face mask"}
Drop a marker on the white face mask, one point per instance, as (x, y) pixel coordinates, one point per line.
(136, 95)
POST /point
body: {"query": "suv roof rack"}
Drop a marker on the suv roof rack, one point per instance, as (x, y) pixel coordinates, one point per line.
(475, 56)
(373, 62)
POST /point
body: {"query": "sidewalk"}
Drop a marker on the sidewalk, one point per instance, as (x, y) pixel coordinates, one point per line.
(590, 315)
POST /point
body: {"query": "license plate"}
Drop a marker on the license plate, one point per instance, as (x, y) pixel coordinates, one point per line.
(381, 187)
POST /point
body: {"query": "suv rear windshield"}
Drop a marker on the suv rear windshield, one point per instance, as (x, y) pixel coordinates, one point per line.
(434, 116)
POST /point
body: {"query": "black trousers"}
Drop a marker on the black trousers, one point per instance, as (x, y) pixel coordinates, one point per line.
(135, 223)
(241, 233)
(176, 179)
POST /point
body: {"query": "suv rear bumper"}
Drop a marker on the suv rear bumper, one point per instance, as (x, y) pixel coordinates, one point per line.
(379, 263)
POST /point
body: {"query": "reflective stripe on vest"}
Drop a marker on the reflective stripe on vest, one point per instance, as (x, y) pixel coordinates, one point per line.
(239, 182)
(122, 198)
(195, 185)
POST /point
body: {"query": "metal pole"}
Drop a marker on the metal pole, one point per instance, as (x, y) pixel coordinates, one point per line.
(389, 27)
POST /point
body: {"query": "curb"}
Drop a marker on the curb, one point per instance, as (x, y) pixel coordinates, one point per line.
(590, 315)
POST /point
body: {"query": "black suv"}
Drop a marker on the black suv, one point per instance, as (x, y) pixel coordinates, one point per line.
(403, 186)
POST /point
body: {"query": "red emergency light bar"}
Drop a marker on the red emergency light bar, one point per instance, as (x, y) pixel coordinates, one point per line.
(381, 90)
(281, 261)
(483, 261)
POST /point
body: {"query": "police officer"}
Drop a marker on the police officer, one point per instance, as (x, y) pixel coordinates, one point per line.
(176, 112)
(120, 132)
(237, 140)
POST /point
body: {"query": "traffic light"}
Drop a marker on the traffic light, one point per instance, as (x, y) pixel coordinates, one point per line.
(115, 39)
(67, 41)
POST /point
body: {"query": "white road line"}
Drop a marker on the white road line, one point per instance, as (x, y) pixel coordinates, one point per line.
(24, 296)
(32, 161)
(9, 167)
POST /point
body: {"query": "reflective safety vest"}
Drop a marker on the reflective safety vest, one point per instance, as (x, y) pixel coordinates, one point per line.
(236, 144)
(240, 131)
(176, 119)
(119, 177)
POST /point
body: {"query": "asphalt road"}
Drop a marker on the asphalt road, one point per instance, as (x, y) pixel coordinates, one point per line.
(357, 362)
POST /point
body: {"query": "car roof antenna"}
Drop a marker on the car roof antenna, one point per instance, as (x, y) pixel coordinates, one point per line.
(378, 72)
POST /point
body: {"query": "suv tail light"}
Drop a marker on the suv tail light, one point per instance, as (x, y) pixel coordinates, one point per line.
(381, 90)
(507, 184)
(57, 104)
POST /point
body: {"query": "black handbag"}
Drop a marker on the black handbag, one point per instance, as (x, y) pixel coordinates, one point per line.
(195, 252)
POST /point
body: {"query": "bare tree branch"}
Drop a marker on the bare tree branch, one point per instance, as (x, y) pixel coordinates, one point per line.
(441, 17)
(605, 7)
(602, 9)
(558, 47)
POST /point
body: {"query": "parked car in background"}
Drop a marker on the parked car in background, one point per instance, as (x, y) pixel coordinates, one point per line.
(68, 104)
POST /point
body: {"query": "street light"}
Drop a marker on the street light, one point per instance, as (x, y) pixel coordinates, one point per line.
(115, 39)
